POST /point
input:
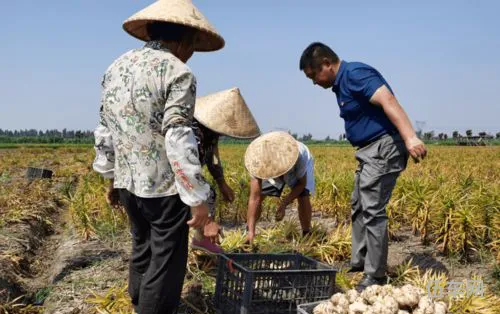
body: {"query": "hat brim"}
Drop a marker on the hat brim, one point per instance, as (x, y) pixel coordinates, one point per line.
(206, 40)
(182, 12)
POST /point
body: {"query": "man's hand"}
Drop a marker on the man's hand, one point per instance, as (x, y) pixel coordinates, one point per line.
(200, 216)
(112, 196)
(227, 192)
(416, 148)
(280, 212)
(211, 231)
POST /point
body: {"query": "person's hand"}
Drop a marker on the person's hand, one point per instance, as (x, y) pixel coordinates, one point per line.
(211, 231)
(250, 237)
(113, 197)
(416, 148)
(280, 212)
(200, 216)
(227, 192)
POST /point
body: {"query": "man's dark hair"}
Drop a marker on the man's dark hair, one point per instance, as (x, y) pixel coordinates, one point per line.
(169, 31)
(314, 54)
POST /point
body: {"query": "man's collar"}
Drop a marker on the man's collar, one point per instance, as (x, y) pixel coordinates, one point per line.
(339, 73)
(156, 44)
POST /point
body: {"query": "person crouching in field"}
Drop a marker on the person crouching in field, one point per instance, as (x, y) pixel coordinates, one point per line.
(222, 113)
(274, 160)
(145, 144)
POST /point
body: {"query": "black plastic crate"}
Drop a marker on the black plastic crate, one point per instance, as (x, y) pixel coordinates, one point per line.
(270, 283)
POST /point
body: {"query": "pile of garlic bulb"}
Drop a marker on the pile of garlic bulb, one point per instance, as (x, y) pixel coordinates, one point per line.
(382, 300)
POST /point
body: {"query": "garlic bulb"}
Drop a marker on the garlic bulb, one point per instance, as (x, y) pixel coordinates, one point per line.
(323, 308)
(370, 293)
(440, 308)
(352, 295)
(425, 306)
(390, 304)
(382, 300)
(407, 297)
(357, 308)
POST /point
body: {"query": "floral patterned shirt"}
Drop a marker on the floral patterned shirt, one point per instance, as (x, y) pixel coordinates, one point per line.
(144, 140)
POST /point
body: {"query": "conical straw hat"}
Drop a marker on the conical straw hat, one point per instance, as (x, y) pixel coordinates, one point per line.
(175, 11)
(271, 155)
(226, 113)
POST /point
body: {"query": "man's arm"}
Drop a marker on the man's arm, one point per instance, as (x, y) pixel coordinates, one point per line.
(295, 192)
(215, 168)
(384, 98)
(368, 83)
(182, 148)
(104, 162)
(254, 206)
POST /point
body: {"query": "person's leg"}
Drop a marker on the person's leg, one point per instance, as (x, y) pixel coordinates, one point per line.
(358, 234)
(377, 182)
(304, 200)
(162, 283)
(141, 253)
(384, 162)
(305, 211)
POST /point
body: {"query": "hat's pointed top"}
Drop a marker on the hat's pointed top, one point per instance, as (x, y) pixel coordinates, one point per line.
(227, 113)
(271, 155)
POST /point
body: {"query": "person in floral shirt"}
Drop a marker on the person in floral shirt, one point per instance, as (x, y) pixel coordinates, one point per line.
(146, 145)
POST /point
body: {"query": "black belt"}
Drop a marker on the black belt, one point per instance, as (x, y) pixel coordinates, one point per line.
(391, 132)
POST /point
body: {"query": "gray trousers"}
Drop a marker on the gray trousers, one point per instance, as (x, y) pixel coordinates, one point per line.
(380, 164)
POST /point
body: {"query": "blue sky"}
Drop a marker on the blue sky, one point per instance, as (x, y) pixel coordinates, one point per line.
(440, 57)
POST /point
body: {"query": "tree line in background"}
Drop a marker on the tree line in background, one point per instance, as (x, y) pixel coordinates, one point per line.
(87, 137)
(46, 137)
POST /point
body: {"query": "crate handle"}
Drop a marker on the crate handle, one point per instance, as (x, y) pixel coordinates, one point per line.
(229, 264)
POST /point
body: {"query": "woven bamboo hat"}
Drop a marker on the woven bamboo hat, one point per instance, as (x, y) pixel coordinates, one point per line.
(271, 155)
(180, 12)
(227, 113)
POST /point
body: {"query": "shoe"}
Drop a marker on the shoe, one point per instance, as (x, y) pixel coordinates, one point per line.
(356, 269)
(368, 280)
(206, 246)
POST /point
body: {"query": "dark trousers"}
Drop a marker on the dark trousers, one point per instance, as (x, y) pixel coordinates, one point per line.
(159, 251)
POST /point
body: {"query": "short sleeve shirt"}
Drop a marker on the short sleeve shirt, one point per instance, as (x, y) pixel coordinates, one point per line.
(354, 85)
(301, 167)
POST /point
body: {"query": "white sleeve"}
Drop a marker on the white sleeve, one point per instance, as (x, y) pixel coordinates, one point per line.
(104, 162)
(182, 153)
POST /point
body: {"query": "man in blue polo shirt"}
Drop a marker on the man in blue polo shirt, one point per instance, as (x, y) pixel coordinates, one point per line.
(378, 126)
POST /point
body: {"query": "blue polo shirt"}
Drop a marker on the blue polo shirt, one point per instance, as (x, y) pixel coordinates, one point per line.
(354, 85)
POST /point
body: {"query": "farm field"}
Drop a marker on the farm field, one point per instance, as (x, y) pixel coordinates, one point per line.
(64, 250)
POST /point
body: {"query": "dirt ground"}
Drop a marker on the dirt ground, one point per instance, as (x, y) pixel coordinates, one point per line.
(62, 270)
